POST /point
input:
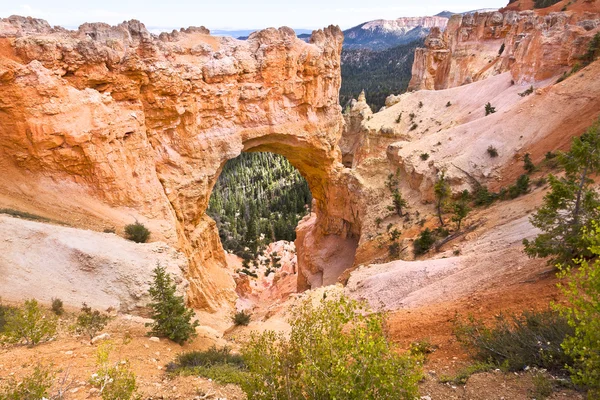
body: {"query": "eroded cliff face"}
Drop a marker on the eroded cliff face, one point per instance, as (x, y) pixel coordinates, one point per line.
(533, 47)
(144, 124)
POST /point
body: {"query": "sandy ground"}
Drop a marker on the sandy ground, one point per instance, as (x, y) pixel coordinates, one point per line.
(43, 261)
(490, 256)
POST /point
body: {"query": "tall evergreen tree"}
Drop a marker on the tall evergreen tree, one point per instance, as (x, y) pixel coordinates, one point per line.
(442, 193)
(171, 317)
(571, 205)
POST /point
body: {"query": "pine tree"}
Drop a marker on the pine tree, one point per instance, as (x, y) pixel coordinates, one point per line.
(171, 318)
(571, 205)
(461, 210)
(442, 192)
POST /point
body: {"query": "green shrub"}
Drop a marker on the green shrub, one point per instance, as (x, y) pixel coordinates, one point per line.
(57, 306)
(115, 381)
(519, 188)
(492, 151)
(420, 104)
(413, 127)
(171, 317)
(483, 197)
(448, 104)
(90, 322)
(532, 339)
(399, 118)
(217, 364)
(137, 232)
(424, 242)
(32, 387)
(424, 156)
(489, 109)
(29, 323)
(582, 289)
(528, 165)
(241, 318)
(318, 362)
(208, 358)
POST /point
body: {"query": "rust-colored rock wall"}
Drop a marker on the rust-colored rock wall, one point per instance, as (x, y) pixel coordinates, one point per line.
(143, 122)
(531, 46)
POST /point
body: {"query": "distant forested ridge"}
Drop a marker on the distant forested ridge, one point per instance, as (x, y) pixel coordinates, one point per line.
(380, 73)
(258, 199)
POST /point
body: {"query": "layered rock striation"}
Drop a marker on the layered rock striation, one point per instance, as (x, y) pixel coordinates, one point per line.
(532, 46)
(143, 124)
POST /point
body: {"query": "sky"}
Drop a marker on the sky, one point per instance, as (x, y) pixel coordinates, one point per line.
(233, 14)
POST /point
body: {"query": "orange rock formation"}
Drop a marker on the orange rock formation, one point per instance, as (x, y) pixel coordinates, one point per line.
(143, 124)
(530, 45)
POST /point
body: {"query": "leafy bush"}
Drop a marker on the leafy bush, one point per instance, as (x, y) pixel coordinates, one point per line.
(582, 289)
(420, 104)
(424, 242)
(115, 381)
(137, 232)
(489, 109)
(399, 118)
(241, 318)
(171, 317)
(413, 127)
(424, 156)
(90, 322)
(57, 306)
(532, 339)
(492, 151)
(32, 387)
(317, 362)
(29, 323)
(448, 104)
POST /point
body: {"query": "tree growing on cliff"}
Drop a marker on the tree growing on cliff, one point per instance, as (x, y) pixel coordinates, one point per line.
(171, 317)
(442, 193)
(571, 205)
(460, 210)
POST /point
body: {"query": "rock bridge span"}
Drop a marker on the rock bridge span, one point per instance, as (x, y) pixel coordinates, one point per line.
(141, 125)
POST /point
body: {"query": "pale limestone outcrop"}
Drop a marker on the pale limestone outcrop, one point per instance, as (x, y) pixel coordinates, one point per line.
(533, 47)
(144, 125)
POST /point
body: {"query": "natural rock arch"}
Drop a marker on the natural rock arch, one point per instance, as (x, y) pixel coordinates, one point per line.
(144, 124)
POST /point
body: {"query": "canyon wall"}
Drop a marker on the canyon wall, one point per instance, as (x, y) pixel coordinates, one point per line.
(533, 47)
(143, 124)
